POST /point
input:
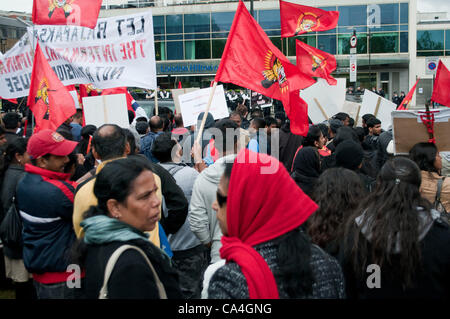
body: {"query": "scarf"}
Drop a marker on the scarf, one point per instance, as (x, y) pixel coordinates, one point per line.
(102, 229)
(263, 204)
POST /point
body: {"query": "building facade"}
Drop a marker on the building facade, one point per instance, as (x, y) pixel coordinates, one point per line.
(394, 41)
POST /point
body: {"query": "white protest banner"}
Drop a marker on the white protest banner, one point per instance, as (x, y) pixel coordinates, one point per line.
(354, 110)
(194, 103)
(177, 92)
(15, 70)
(380, 107)
(324, 100)
(118, 52)
(106, 109)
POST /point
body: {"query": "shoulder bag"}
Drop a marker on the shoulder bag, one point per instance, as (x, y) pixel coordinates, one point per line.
(11, 228)
(112, 262)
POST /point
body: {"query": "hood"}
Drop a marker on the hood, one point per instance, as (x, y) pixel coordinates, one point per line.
(425, 223)
(214, 172)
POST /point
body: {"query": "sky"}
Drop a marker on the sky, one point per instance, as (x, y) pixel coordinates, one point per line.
(422, 5)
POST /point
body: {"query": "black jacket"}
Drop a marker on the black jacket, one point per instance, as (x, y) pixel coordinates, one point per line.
(432, 281)
(289, 143)
(131, 277)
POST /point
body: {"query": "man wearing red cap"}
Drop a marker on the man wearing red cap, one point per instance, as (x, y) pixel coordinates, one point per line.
(45, 201)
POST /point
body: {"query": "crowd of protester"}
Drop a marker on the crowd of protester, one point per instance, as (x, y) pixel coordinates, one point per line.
(157, 211)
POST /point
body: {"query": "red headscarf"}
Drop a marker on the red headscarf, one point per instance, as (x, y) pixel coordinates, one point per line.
(263, 203)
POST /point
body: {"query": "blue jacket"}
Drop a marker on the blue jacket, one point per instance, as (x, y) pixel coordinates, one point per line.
(45, 201)
(146, 145)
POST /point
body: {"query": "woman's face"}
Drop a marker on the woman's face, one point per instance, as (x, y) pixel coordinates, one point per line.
(141, 207)
(438, 161)
(23, 159)
(320, 142)
(220, 204)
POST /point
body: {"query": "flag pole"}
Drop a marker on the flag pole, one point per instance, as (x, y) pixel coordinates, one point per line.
(208, 106)
(156, 101)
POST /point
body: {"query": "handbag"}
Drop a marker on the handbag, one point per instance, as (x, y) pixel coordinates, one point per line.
(11, 228)
(437, 202)
(112, 262)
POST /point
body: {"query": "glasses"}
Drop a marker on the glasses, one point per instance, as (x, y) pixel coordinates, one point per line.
(221, 200)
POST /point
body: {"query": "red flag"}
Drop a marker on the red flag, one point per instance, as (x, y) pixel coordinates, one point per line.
(10, 100)
(179, 85)
(296, 19)
(67, 12)
(408, 97)
(252, 61)
(441, 88)
(49, 100)
(121, 90)
(315, 62)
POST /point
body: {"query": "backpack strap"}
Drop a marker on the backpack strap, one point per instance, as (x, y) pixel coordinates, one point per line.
(112, 262)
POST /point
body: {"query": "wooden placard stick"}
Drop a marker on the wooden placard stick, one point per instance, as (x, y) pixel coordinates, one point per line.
(377, 107)
(321, 109)
(208, 106)
(156, 101)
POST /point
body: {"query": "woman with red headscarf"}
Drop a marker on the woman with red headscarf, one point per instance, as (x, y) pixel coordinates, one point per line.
(260, 209)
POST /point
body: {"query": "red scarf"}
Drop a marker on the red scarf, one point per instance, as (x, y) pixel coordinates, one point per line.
(263, 203)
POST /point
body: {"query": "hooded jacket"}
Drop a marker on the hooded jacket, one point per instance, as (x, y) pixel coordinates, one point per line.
(202, 218)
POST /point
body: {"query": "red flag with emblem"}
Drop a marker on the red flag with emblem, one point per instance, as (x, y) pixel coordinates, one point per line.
(49, 100)
(315, 62)
(252, 61)
(408, 97)
(66, 12)
(296, 19)
(441, 88)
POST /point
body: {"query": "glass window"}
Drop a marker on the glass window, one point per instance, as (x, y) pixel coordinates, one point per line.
(386, 28)
(197, 36)
(384, 42)
(344, 43)
(332, 8)
(175, 50)
(160, 51)
(430, 40)
(404, 42)
(158, 25)
(404, 27)
(352, 15)
(404, 13)
(447, 40)
(198, 49)
(175, 37)
(308, 39)
(159, 38)
(389, 13)
(220, 35)
(276, 41)
(327, 43)
(174, 23)
(350, 29)
(222, 21)
(269, 19)
(430, 53)
(217, 48)
(196, 23)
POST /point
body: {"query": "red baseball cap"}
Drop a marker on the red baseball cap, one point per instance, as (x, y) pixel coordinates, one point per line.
(49, 142)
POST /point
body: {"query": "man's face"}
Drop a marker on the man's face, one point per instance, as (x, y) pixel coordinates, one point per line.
(376, 130)
(236, 119)
(54, 163)
(347, 121)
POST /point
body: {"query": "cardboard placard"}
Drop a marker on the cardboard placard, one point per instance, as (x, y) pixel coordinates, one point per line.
(194, 103)
(177, 92)
(380, 107)
(354, 110)
(106, 109)
(324, 100)
(409, 130)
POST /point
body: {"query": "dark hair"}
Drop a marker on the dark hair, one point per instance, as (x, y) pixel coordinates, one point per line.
(256, 113)
(341, 116)
(142, 119)
(235, 114)
(366, 117)
(424, 155)
(270, 120)
(166, 122)
(338, 192)
(78, 114)
(313, 135)
(223, 143)
(241, 109)
(360, 133)
(131, 140)
(351, 122)
(10, 120)
(111, 145)
(162, 147)
(371, 122)
(141, 127)
(345, 133)
(156, 123)
(293, 255)
(324, 128)
(86, 133)
(390, 211)
(2, 130)
(17, 145)
(259, 122)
